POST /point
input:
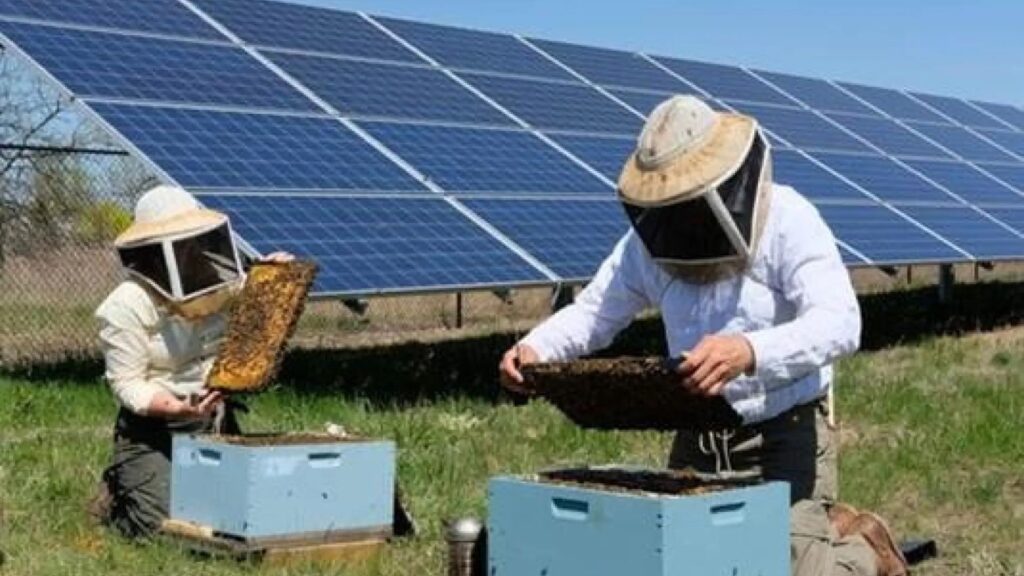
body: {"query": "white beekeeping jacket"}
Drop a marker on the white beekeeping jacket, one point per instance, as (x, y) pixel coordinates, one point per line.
(795, 305)
(148, 350)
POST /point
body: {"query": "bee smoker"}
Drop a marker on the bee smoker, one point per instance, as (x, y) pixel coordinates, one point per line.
(467, 547)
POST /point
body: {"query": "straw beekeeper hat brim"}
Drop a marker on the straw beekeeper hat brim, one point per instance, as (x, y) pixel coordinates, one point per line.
(690, 174)
(189, 221)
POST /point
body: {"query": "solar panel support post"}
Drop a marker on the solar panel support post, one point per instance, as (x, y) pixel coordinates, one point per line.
(357, 306)
(458, 310)
(947, 277)
(561, 297)
(503, 294)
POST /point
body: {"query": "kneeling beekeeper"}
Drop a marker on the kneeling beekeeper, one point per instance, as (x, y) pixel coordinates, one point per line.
(160, 331)
(751, 288)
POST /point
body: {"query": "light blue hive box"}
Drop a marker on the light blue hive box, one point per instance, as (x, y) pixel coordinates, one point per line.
(545, 529)
(330, 487)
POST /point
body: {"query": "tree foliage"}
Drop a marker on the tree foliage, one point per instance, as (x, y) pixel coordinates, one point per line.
(51, 195)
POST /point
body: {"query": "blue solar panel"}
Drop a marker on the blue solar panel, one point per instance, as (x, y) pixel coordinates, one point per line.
(93, 64)
(726, 82)
(473, 50)
(612, 67)
(371, 245)
(1010, 114)
(849, 258)
(1012, 174)
(557, 106)
(571, 237)
(1012, 217)
(966, 181)
(890, 136)
(486, 160)
(971, 231)
(642, 102)
(607, 155)
(893, 103)
(645, 102)
(1012, 141)
(391, 90)
(818, 94)
(961, 142)
(811, 180)
(884, 236)
(959, 111)
(284, 25)
(802, 128)
(208, 149)
(154, 16)
(884, 178)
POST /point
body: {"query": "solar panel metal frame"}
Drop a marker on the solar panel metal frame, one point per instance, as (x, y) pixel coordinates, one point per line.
(234, 39)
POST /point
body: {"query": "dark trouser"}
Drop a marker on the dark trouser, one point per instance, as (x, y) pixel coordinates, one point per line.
(798, 447)
(139, 478)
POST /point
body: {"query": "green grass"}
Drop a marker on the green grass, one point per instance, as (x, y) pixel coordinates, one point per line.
(931, 439)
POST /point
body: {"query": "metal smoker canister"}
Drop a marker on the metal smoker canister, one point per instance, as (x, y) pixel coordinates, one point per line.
(466, 548)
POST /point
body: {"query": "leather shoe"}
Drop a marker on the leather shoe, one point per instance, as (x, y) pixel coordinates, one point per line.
(878, 535)
(842, 516)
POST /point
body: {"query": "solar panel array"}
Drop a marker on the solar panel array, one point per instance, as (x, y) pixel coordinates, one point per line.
(406, 156)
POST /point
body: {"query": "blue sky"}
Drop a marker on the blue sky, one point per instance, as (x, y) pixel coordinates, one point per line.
(973, 49)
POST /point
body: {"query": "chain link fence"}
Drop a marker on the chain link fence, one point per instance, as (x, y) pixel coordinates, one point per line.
(60, 208)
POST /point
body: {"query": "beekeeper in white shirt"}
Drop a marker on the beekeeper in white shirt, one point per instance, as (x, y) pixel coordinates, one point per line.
(753, 293)
(160, 330)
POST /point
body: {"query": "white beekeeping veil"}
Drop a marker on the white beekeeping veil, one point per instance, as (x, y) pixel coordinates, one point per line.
(697, 187)
(183, 251)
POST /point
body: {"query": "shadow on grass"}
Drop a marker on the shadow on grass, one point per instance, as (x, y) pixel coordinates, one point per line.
(417, 372)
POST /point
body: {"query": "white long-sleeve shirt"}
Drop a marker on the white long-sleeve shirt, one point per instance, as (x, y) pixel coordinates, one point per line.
(795, 305)
(148, 350)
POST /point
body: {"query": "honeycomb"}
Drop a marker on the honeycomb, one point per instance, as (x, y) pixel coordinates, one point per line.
(262, 319)
(627, 393)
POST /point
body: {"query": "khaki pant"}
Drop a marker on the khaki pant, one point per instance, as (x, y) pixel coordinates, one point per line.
(798, 447)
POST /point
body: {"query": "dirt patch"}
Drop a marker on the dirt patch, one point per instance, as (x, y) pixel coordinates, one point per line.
(270, 439)
(262, 321)
(626, 393)
(668, 482)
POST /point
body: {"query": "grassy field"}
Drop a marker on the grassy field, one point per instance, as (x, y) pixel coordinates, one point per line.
(931, 438)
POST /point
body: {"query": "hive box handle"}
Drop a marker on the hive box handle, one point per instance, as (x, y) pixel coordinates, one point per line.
(570, 509)
(727, 514)
(324, 460)
(208, 456)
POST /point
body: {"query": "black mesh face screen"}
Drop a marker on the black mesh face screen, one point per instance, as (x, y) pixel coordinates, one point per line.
(739, 192)
(681, 232)
(147, 261)
(206, 260)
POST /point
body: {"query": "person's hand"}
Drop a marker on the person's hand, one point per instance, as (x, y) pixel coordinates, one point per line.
(205, 407)
(517, 356)
(278, 257)
(714, 362)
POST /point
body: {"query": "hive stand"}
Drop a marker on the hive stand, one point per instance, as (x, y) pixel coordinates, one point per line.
(338, 548)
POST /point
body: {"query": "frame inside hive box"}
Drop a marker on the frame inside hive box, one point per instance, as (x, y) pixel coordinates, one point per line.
(626, 393)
